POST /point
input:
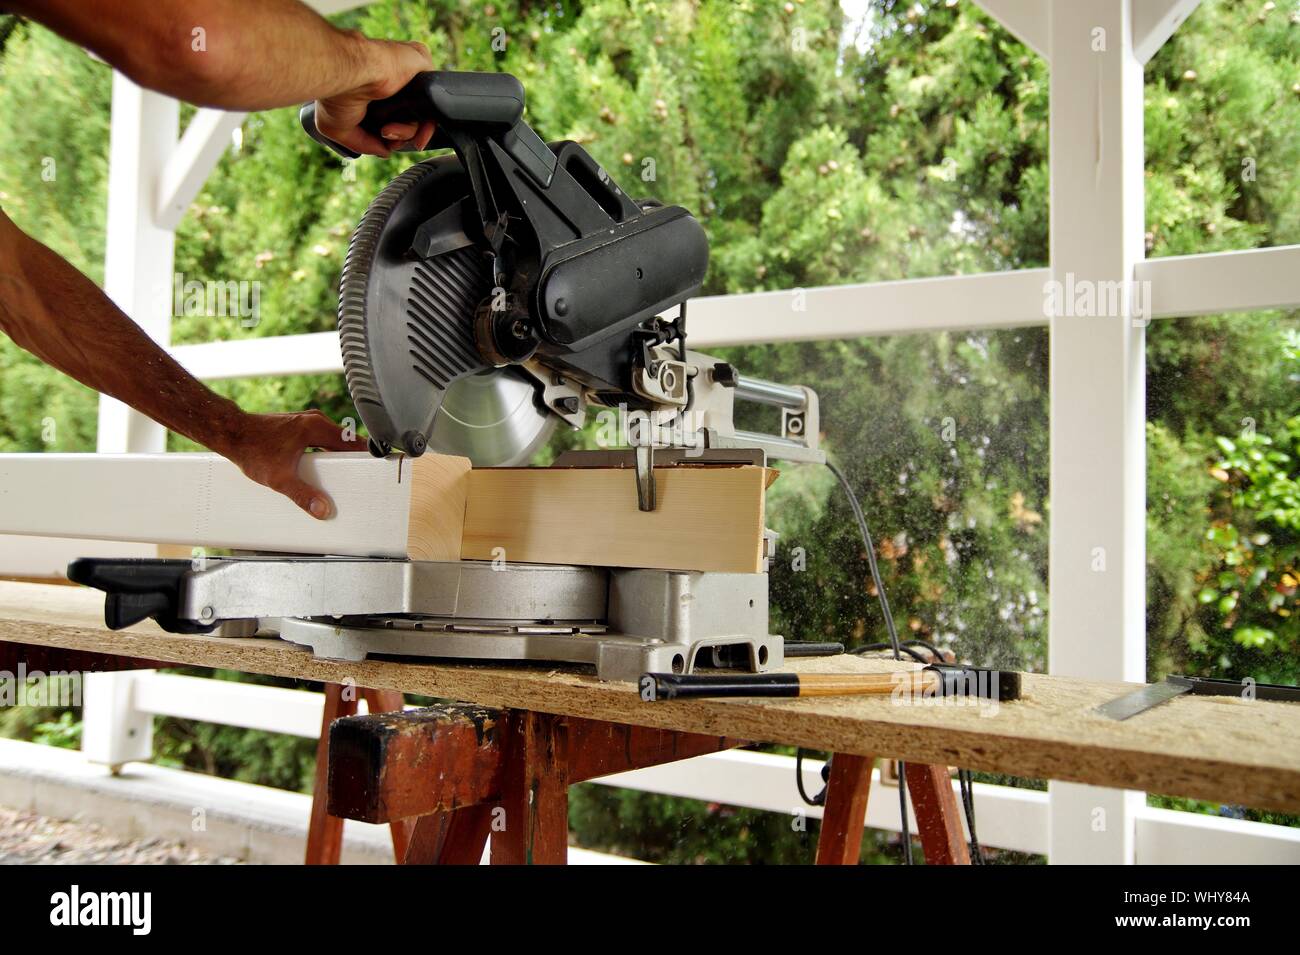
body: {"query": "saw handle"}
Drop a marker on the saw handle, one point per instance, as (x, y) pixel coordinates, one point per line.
(475, 102)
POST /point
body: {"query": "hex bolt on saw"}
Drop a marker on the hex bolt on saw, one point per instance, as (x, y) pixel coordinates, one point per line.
(488, 294)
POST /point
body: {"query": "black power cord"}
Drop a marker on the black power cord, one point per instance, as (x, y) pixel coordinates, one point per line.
(893, 638)
(966, 781)
(964, 778)
(820, 798)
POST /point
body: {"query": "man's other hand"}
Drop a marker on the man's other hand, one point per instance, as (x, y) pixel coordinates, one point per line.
(385, 66)
(268, 447)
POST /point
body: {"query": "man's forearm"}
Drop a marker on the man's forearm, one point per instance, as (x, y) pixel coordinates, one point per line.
(232, 54)
(53, 311)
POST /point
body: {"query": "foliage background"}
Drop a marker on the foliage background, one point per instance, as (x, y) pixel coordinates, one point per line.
(818, 148)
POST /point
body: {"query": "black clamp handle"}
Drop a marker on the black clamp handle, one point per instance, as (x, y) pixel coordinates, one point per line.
(138, 588)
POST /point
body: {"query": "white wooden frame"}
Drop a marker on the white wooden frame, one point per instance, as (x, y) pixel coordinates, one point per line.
(1097, 420)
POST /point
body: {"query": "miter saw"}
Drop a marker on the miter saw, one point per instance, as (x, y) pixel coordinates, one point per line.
(487, 295)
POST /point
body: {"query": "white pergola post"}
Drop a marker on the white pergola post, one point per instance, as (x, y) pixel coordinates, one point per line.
(140, 252)
(1097, 553)
(138, 264)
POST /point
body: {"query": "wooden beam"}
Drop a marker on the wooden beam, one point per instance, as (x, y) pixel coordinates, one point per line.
(324, 829)
(1236, 751)
(708, 518)
(453, 837)
(48, 557)
(1097, 376)
(387, 507)
(1154, 22)
(195, 156)
(847, 790)
(1029, 21)
(428, 508)
(440, 758)
(1246, 280)
(534, 799)
(599, 748)
(399, 765)
(938, 818)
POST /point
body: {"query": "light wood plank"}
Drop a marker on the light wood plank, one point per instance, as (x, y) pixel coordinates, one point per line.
(436, 519)
(1215, 748)
(707, 518)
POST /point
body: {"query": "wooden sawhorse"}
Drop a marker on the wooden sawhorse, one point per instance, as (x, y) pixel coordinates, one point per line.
(450, 777)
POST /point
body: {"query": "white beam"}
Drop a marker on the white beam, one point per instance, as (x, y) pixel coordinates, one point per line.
(1154, 22)
(953, 303)
(197, 153)
(1246, 281)
(203, 499)
(1005, 817)
(49, 556)
(272, 709)
(315, 353)
(1098, 478)
(1249, 280)
(1029, 21)
(113, 730)
(330, 7)
(140, 253)
(1170, 837)
(985, 300)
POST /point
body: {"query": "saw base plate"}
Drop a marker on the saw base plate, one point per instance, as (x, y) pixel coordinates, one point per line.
(616, 657)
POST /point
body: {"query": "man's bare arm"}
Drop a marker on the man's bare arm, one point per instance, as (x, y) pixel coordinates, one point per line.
(247, 55)
(59, 315)
(234, 54)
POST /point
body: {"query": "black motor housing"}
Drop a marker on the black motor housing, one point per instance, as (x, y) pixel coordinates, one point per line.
(575, 272)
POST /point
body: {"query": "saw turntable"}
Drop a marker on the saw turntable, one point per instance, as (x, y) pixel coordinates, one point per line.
(489, 294)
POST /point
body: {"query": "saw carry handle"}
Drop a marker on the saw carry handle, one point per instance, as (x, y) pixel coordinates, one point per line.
(491, 100)
(476, 104)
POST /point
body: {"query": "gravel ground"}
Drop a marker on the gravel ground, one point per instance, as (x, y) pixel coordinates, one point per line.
(29, 839)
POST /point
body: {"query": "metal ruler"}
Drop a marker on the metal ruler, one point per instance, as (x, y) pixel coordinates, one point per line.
(1139, 701)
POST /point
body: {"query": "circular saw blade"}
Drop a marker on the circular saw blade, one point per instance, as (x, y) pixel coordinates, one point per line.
(406, 328)
(492, 418)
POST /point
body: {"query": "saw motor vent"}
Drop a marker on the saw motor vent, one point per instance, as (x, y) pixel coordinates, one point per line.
(444, 294)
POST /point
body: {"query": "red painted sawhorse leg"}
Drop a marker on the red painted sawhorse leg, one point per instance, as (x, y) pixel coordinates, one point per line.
(466, 775)
(325, 832)
(935, 805)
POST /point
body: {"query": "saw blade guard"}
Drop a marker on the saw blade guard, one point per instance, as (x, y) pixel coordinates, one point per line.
(406, 328)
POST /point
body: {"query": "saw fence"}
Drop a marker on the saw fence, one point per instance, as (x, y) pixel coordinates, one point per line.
(1228, 750)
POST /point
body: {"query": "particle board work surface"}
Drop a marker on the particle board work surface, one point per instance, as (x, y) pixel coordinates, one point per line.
(1220, 749)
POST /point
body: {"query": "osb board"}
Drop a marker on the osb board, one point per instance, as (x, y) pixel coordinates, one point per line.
(1211, 748)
